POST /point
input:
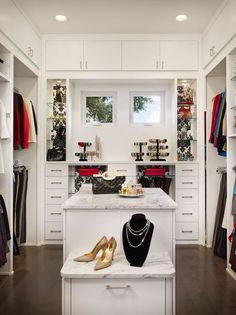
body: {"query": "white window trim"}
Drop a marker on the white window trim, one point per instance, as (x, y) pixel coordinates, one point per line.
(147, 93)
(84, 94)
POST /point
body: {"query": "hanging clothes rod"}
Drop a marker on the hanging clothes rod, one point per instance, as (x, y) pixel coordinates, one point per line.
(221, 169)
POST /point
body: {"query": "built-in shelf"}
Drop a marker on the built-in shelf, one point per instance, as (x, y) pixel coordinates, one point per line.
(233, 107)
(232, 135)
(186, 105)
(4, 78)
(233, 78)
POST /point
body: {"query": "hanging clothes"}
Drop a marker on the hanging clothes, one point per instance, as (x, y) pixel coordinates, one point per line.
(25, 122)
(19, 204)
(218, 124)
(232, 258)
(4, 132)
(219, 242)
(5, 235)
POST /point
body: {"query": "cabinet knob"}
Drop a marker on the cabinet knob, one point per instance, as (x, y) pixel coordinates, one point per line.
(29, 51)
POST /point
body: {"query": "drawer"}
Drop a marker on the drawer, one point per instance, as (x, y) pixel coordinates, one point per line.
(187, 169)
(186, 196)
(123, 169)
(56, 196)
(54, 230)
(187, 213)
(54, 213)
(186, 182)
(186, 231)
(56, 182)
(56, 170)
(118, 296)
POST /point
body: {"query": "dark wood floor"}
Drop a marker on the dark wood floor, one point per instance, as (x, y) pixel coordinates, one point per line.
(202, 288)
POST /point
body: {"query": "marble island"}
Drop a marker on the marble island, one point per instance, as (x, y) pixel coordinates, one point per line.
(153, 198)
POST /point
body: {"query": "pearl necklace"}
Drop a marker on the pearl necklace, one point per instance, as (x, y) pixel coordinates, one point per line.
(140, 232)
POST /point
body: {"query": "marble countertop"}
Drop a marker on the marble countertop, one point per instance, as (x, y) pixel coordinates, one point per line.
(155, 266)
(153, 198)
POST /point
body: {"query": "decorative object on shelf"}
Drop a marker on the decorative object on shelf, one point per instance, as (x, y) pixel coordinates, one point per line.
(151, 176)
(1, 60)
(83, 174)
(83, 155)
(156, 151)
(56, 154)
(139, 155)
(185, 115)
(102, 184)
(58, 151)
(137, 235)
(131, 190)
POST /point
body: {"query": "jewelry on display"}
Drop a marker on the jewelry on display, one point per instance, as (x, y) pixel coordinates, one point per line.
(140, 232)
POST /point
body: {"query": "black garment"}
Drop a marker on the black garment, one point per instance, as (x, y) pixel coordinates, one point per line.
(232, 259)
(220, 234)
(35, 119)
(4, 232)
(20, 106)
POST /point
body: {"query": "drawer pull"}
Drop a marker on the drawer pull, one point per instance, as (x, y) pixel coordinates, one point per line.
(184, 183)
(187, 170)
(55, 197)
(184, 197)
(187, 213)
(111, 287)
(186, 231)
(56, 183)
(55, 213)
(56, 170)
(121, 170)
(55, 231)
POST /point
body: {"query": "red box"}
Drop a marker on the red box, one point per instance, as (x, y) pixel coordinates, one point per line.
(155, 171)
(87, 171)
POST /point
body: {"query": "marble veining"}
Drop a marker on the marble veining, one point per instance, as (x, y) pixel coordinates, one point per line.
(153, 198)
(156, 266)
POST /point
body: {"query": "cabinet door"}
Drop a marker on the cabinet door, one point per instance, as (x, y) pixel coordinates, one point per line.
(140, 55)
(179, 55)
(102, 55)
(64, 55)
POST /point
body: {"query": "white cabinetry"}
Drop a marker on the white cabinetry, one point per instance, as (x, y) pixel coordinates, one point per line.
(102, 55)
(56, 184)
(220, 32)
(160, 55)
(17, 28)
(187, 198)
(64, 55)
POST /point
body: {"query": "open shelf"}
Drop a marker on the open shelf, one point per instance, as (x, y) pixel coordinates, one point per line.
(4, 78)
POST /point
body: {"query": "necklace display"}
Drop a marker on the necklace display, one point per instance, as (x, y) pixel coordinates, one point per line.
(143, 231)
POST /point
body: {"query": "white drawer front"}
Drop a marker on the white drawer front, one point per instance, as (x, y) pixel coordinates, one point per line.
(187, 182)
(118, 296)
(54, 213)
(56, 196)
(186, 231)
(122, 169)
(187, 213)
(56, 170)
(56, 182)
(54, 231)
(187, 169)
(186, 196)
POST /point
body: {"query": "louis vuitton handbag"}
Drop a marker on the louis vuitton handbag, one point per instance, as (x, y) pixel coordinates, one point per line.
(102, 184)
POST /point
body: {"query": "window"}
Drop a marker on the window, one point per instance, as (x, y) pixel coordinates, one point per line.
(147, 107)
(98, 107)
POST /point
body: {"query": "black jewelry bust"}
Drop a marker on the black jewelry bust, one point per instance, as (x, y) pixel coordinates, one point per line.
(137, 235)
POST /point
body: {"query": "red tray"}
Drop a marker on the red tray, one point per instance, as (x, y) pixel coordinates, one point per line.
(87, 171)
(155, 171)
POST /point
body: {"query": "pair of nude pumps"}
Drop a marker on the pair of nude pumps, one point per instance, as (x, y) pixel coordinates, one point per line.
(105, 260)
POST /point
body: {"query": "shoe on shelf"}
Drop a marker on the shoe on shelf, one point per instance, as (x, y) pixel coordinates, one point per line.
(101, 244)
(107, 255)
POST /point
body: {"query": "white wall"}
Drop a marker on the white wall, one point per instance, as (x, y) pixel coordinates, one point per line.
(117, 140)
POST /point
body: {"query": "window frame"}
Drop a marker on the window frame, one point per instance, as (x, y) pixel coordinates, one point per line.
(146, 94)
(85, 94)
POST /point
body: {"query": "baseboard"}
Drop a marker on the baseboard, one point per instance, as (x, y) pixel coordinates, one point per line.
(231, 273)
(6, 273)
(208, 246)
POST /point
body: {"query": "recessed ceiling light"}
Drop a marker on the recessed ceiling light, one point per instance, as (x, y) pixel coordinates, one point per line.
(60, 18)
(181, 17)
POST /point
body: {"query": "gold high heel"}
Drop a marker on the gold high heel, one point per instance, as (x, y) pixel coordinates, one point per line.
(107, 255)
(101, 244)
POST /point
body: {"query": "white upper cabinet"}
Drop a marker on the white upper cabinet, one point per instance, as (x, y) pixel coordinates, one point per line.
(17, 28)
(220, 32)
(160, 55)
(140, 55)
(64, 55)
(178, 55)
(102, 55)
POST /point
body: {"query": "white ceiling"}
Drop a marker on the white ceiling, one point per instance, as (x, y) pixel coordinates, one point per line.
(119, 16)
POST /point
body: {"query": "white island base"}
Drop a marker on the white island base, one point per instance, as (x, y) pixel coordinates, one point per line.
(119, 289)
